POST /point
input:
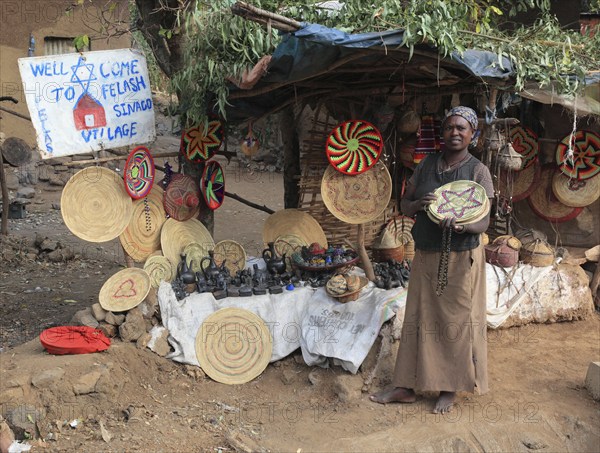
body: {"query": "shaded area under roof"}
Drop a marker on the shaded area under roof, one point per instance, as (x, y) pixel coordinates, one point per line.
(317, 61)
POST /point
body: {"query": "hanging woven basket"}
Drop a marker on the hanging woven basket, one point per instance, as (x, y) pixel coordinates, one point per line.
(508, 158)
(537, 253)
(409, 122)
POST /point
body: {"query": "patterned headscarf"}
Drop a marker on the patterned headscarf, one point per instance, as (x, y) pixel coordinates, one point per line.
(469, 114)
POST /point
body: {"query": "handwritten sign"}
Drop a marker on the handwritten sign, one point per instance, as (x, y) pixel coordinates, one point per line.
(88, 102)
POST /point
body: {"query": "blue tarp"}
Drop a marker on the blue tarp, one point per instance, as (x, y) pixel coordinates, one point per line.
(314, 48)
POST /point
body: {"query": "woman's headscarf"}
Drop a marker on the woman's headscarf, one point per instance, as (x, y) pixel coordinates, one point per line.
(469, 114)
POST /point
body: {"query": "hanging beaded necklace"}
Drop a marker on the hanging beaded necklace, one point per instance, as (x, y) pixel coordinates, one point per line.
(442, 278)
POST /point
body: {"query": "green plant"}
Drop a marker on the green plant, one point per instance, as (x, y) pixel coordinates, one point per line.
(221, 46)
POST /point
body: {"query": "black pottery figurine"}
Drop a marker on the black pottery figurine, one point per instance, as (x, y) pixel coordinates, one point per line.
(275, 264)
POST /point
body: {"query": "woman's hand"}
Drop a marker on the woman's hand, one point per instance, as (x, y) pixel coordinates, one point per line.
(450, 223)
(426, 200)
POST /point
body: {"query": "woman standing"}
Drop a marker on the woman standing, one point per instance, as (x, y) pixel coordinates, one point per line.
(443, 343)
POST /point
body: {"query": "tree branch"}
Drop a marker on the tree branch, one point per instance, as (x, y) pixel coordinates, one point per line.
(262, 16)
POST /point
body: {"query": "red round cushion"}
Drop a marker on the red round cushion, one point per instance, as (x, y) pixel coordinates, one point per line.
(73, 340)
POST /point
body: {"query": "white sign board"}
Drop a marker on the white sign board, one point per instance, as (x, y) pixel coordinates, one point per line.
(88, 102)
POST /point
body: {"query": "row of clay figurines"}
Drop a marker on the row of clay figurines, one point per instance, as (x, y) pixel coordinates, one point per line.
(218, 279)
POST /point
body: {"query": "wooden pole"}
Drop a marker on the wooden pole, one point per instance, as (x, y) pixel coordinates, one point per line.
(5, 200)
(362, 253)
(248, 203)
(492, 106)
(291, 158)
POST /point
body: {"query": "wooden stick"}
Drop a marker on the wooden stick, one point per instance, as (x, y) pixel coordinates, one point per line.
(252, 13)
(5, 200)
(20, 115)
(249, 203)
(362, 253)
(124, 157)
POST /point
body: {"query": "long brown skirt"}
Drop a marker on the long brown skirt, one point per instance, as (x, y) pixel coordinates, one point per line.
(443, 346)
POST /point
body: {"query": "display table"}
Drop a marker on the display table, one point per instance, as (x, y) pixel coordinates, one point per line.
(305, 318)
(324, 329)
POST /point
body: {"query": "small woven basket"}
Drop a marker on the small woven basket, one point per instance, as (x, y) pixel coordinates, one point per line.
(391, 254)
(537, 253)
(409, 246)
(509, 159)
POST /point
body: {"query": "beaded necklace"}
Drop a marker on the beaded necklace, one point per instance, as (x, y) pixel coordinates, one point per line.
(442, 279)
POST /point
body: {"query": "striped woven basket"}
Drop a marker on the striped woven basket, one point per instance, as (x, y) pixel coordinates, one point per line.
(537, 253)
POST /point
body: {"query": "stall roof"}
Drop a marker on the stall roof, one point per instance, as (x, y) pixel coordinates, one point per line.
(316, 61)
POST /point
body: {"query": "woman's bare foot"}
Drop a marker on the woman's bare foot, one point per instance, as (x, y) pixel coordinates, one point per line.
(444, 403)
(394, 395)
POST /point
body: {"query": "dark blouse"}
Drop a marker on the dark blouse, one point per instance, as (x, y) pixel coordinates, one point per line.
(427, 178)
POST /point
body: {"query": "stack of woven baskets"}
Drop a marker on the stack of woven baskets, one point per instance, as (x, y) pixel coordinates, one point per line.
(503, 251)
(395, 241)
(345, 287)
(537, 253)
(388, 247)
(535, 250)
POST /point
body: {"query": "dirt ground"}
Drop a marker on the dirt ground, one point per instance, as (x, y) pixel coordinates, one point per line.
(129, 399)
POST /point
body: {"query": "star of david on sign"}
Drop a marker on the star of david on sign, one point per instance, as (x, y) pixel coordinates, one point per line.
(458, 203)
(83, 73)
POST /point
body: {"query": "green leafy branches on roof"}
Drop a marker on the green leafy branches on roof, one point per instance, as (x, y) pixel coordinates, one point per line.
(221, 45)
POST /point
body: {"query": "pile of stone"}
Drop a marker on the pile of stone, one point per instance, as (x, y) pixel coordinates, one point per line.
(141, 324)
(17, 250)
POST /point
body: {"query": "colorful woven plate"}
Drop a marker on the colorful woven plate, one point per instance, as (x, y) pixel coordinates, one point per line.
(400, 224)
(484, 211)
(465, 200)
(585, 161)
(357, 199)
(354, 146)
(543, 202)
(176, 236)
(139, 172)
(294, 221)
(575, 193)
(232, 253)
(160, 269)
(213, 185)
(73, 340)
(182, 197)
(233, 346)
(519, 184)
(142, 236)
(95, 206)
(525, 142)
(198, 145)
(124, 290)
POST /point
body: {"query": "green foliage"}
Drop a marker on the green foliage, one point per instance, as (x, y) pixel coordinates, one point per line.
(81, 43)
(221, 45)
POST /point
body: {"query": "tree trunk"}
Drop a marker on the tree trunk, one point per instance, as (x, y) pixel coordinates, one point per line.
(291, 158)
(157, 15)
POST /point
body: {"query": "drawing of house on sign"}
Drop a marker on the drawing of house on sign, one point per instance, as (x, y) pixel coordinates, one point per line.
(88, 113)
